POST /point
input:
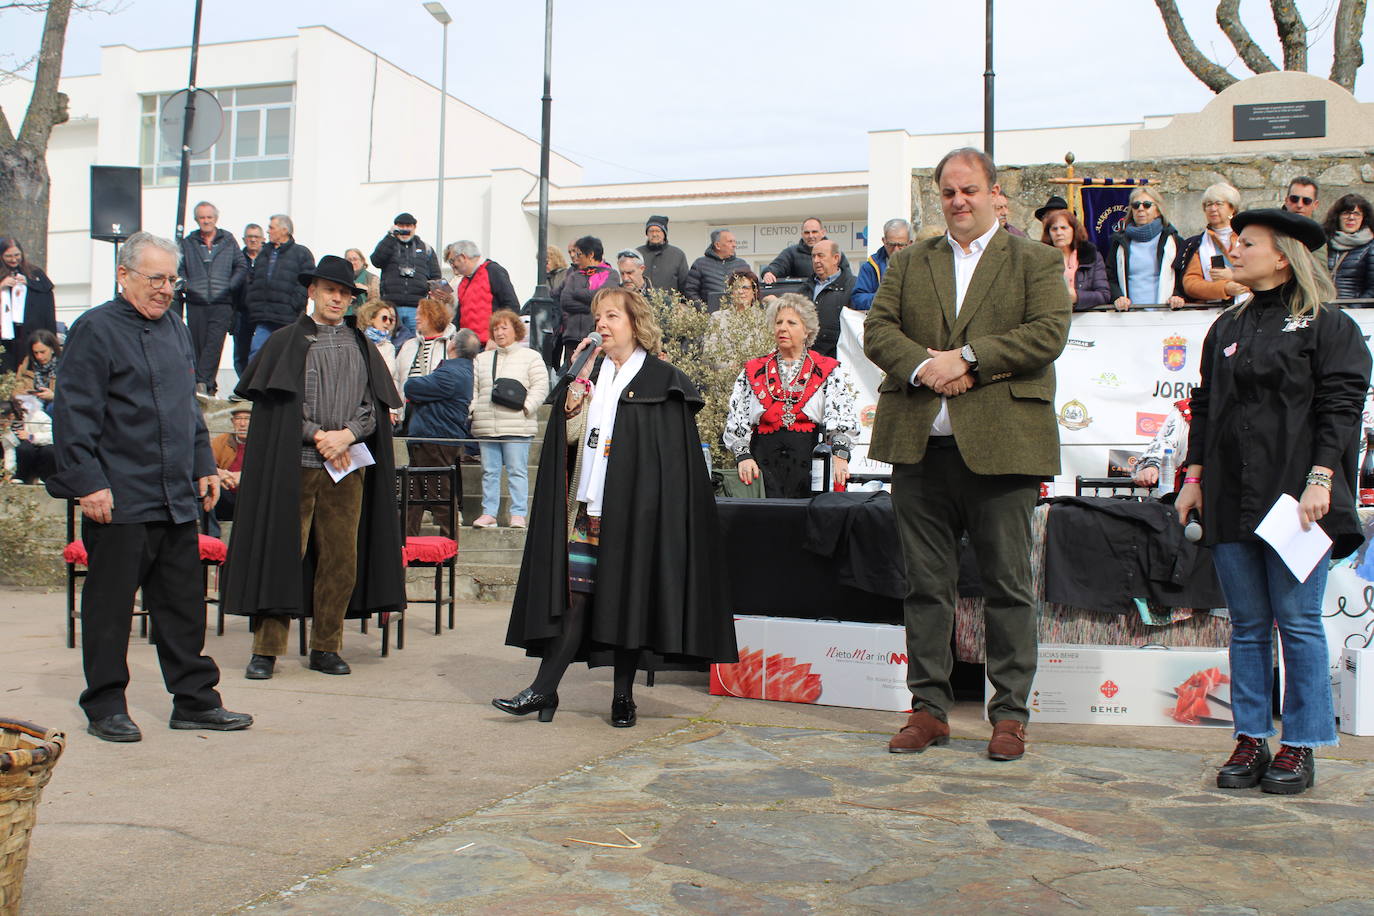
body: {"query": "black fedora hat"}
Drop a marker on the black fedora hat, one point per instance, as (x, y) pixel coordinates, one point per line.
(1295, 225)
(1054, 203)
(331, 267)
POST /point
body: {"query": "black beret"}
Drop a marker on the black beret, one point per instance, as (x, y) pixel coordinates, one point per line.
(403, 219)
(1294, 225)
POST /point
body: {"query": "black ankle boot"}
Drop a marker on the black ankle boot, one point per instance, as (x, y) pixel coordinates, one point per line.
(527, 701)
(1292, 771)
(623, 711)
(1246, 766)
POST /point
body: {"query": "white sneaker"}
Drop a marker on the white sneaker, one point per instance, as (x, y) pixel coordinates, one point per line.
(517, 521)
(484, 521)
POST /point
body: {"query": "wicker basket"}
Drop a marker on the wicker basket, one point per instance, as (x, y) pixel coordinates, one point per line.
(27, 755)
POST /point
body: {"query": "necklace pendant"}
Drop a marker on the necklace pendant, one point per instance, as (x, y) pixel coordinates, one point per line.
(788, 418)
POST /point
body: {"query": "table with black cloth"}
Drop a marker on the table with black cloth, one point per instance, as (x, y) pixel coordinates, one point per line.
(849, 574)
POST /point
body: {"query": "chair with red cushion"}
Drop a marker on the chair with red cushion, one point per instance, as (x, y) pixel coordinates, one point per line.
(212, 554)
(433, 488)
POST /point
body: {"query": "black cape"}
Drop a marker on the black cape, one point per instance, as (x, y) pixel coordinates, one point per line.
(660, 585)
(264, 574)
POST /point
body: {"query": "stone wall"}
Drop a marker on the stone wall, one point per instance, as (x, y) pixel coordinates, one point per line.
(1261, 179)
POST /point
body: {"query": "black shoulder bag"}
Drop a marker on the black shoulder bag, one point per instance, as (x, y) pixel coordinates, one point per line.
(506, 392)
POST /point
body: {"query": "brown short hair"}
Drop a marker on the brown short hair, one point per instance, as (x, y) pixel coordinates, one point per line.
(507, 315)
(438, 315)
(647, 332)
(971, 154)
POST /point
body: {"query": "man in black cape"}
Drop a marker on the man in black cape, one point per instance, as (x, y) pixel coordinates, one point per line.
(264, 575)
(659, 583)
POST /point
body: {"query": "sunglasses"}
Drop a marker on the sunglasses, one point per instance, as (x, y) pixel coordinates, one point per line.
(1142, 204)
(386, 319)
(1299, 199)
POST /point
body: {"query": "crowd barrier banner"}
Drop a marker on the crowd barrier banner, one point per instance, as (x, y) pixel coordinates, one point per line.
(1117, 380)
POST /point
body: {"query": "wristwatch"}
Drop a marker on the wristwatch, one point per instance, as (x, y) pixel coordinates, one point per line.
(839, 452)
(967, 354)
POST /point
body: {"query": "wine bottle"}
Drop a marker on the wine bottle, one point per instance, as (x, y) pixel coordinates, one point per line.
(820, 467)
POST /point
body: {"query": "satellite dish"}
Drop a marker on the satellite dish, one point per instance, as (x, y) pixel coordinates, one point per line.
(205, 128)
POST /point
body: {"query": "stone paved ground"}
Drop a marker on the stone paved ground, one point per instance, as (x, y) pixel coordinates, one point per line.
(738, 819)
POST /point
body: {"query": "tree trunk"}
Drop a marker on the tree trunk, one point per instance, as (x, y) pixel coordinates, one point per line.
(1292, 34)
(24, 200)
(23, 158)
(1346, 32)
(1228, 17)
(1215, 77)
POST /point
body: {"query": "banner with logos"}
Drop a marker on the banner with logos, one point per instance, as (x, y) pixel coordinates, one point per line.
(1117, 380)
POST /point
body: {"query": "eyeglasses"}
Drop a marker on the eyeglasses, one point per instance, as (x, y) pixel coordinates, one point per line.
(158, 282)
(1299, 199)
(1142, 204)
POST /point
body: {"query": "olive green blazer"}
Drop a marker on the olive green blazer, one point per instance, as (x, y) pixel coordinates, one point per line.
(1015, 316)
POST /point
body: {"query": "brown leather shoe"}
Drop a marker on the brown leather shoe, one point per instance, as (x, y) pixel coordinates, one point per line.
(1008, 740)
(920, 732)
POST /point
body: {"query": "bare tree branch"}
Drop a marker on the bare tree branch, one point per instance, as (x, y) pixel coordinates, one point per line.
(1228, 17)
(1292, 34)
(1349, 56)
(1213, 76)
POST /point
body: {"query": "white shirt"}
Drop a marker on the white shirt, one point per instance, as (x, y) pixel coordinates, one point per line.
(965, 263)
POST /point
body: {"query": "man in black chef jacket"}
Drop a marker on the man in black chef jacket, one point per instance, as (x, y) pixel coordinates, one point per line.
(133, 450)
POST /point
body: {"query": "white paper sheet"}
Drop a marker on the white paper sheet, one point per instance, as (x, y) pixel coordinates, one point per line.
(358, 457)
(1282, 529)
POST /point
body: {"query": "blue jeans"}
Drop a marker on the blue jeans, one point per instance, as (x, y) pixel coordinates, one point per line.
(405, 314)
(515, 455)
(1260, 592)
(260, 334)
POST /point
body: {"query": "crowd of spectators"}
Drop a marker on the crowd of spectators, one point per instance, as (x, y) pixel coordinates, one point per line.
(413, 315)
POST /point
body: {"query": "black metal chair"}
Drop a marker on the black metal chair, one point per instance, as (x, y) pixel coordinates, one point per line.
(431, 488)
(212, 554)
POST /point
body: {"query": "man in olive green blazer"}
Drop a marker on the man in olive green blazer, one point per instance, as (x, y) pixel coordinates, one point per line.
(967, 327)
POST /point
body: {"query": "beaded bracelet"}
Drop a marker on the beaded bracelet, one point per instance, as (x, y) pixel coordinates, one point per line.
(1318, 479)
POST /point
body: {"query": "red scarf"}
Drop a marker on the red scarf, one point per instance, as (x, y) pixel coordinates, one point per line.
(766, 381)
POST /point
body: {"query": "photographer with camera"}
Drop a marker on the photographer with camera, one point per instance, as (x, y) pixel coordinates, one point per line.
(407, 265)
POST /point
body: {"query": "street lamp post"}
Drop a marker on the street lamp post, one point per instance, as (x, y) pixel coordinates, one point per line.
(989, 77)
(437, 10)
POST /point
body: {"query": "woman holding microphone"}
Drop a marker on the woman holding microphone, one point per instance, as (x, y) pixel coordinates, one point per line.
(622, 563)
(1284, 378)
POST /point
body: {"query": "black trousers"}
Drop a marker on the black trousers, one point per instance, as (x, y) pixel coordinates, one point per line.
(163, 559)
(243, 340)
(209, 324)
(784, 458)
(935, 502)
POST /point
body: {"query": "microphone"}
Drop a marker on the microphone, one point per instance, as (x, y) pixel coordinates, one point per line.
(593, 341)
(1193, 530)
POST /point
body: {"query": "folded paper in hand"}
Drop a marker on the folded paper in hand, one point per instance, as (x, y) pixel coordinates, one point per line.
(358, 457)
(1299, 549)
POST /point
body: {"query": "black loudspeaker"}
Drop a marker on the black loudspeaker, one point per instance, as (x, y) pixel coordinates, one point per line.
(116, 202)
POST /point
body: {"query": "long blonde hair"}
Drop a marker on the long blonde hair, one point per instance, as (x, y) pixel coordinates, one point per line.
(1312, 283)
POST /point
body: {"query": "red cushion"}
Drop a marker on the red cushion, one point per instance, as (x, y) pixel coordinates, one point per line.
(431, 549)
(213, 549)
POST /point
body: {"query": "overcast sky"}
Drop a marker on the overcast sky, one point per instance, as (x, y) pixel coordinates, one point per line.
(746, 87)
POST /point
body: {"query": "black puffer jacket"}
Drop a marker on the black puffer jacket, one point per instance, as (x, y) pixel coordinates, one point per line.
(276, 296)
(664, 265)
(706, 277)
(1353, 271)
(795, 261)
(216, 279)
(392, 255)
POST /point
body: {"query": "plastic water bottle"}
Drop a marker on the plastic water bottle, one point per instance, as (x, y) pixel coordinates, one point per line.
(1166, 473)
